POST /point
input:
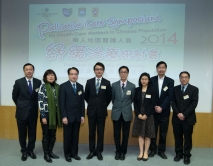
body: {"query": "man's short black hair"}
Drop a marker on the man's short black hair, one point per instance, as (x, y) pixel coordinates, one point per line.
(28, 64)
(160, 63)
(99, 64)
(123, 67)
(184, 72)
(72, 68)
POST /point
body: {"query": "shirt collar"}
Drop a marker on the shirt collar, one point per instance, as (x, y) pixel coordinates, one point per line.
(96, 79)
(185, 86)
(161, 78)
(73, 82)
(29, 79)
(121, 83)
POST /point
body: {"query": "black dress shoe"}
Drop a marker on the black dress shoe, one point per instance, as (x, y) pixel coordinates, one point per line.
(152, 153)
(186, 160)
(122, 157)
(144, 159)
(117, 156)
(90, 156)
(139, 158)
(24, 157)
(99, 156)
(68, 159)
(32, 155)
(52, 155)
(162, 155)
(47, 158)
(178, 157)
(76, 157)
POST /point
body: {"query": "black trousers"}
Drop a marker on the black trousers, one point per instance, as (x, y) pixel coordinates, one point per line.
(183, 138)
(99, 123)
(27, 129)
(71, 138)
(118, 125)
(48, 136)
(161, 124)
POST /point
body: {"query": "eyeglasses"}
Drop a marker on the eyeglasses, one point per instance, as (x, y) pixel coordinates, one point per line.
(184, 77)
(99, 69)
(123, 72)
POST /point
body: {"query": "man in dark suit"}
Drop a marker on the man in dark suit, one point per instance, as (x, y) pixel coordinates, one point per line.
(123, 93)
(25, 96)
(164, 90)
(98, 94)
(185, 99)
(71, 103)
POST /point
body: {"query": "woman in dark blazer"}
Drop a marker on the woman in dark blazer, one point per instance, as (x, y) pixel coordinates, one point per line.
(49, 113)
(143, 126)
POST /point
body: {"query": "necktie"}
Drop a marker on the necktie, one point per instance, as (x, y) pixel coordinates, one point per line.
(183, 89)
(74, 88)
(123, 87)
(97, 85)
(30, 87)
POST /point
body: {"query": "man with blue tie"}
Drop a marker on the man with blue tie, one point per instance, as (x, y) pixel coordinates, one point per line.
(98, 94)
(123, 93)
(25, 97)
(185, 100)
(71, 103)
(164, 88)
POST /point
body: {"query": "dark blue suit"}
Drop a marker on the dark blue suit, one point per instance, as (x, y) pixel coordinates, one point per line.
(72, 107)
(184, 103)
(26, 112)
(97, 111)
(162, 119)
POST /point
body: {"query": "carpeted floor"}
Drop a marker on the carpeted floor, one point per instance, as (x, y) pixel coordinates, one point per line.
(10, 155)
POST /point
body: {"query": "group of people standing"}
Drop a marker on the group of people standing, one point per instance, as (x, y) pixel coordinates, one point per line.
(63, 105)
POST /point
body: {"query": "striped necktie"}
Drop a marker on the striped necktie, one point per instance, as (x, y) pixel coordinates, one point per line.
(97, 86)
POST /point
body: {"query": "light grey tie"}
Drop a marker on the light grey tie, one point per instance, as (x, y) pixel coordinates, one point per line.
(97, 86)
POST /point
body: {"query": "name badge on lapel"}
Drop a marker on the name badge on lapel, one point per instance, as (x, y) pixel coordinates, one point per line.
(165, 88)
(148, 96)
(80, 92)
(103, 87)
(128, 92)
(186, 97)
(37, 89)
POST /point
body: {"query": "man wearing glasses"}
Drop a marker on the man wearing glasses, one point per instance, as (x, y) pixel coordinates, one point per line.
(123, 93)
(98, 94)
(185, 99)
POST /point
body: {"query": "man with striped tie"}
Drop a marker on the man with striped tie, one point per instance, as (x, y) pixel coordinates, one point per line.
(98, 95)
(123, 93)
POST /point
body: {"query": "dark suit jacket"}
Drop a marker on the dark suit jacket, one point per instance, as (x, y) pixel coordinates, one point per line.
(71, 105)
(98, 101)
(149, 103)
(185, 106)
(164, 101)
(23, 100)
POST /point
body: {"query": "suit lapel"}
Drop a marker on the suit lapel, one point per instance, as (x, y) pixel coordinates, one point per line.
(24, 82)
(163, 86)
(118, 86)
(156, 84)
(71, 87)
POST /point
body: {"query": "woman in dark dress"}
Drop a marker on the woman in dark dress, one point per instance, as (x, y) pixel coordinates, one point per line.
(49, 113)
(143, 126)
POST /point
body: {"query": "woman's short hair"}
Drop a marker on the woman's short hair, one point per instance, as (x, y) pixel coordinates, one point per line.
(49, 71)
